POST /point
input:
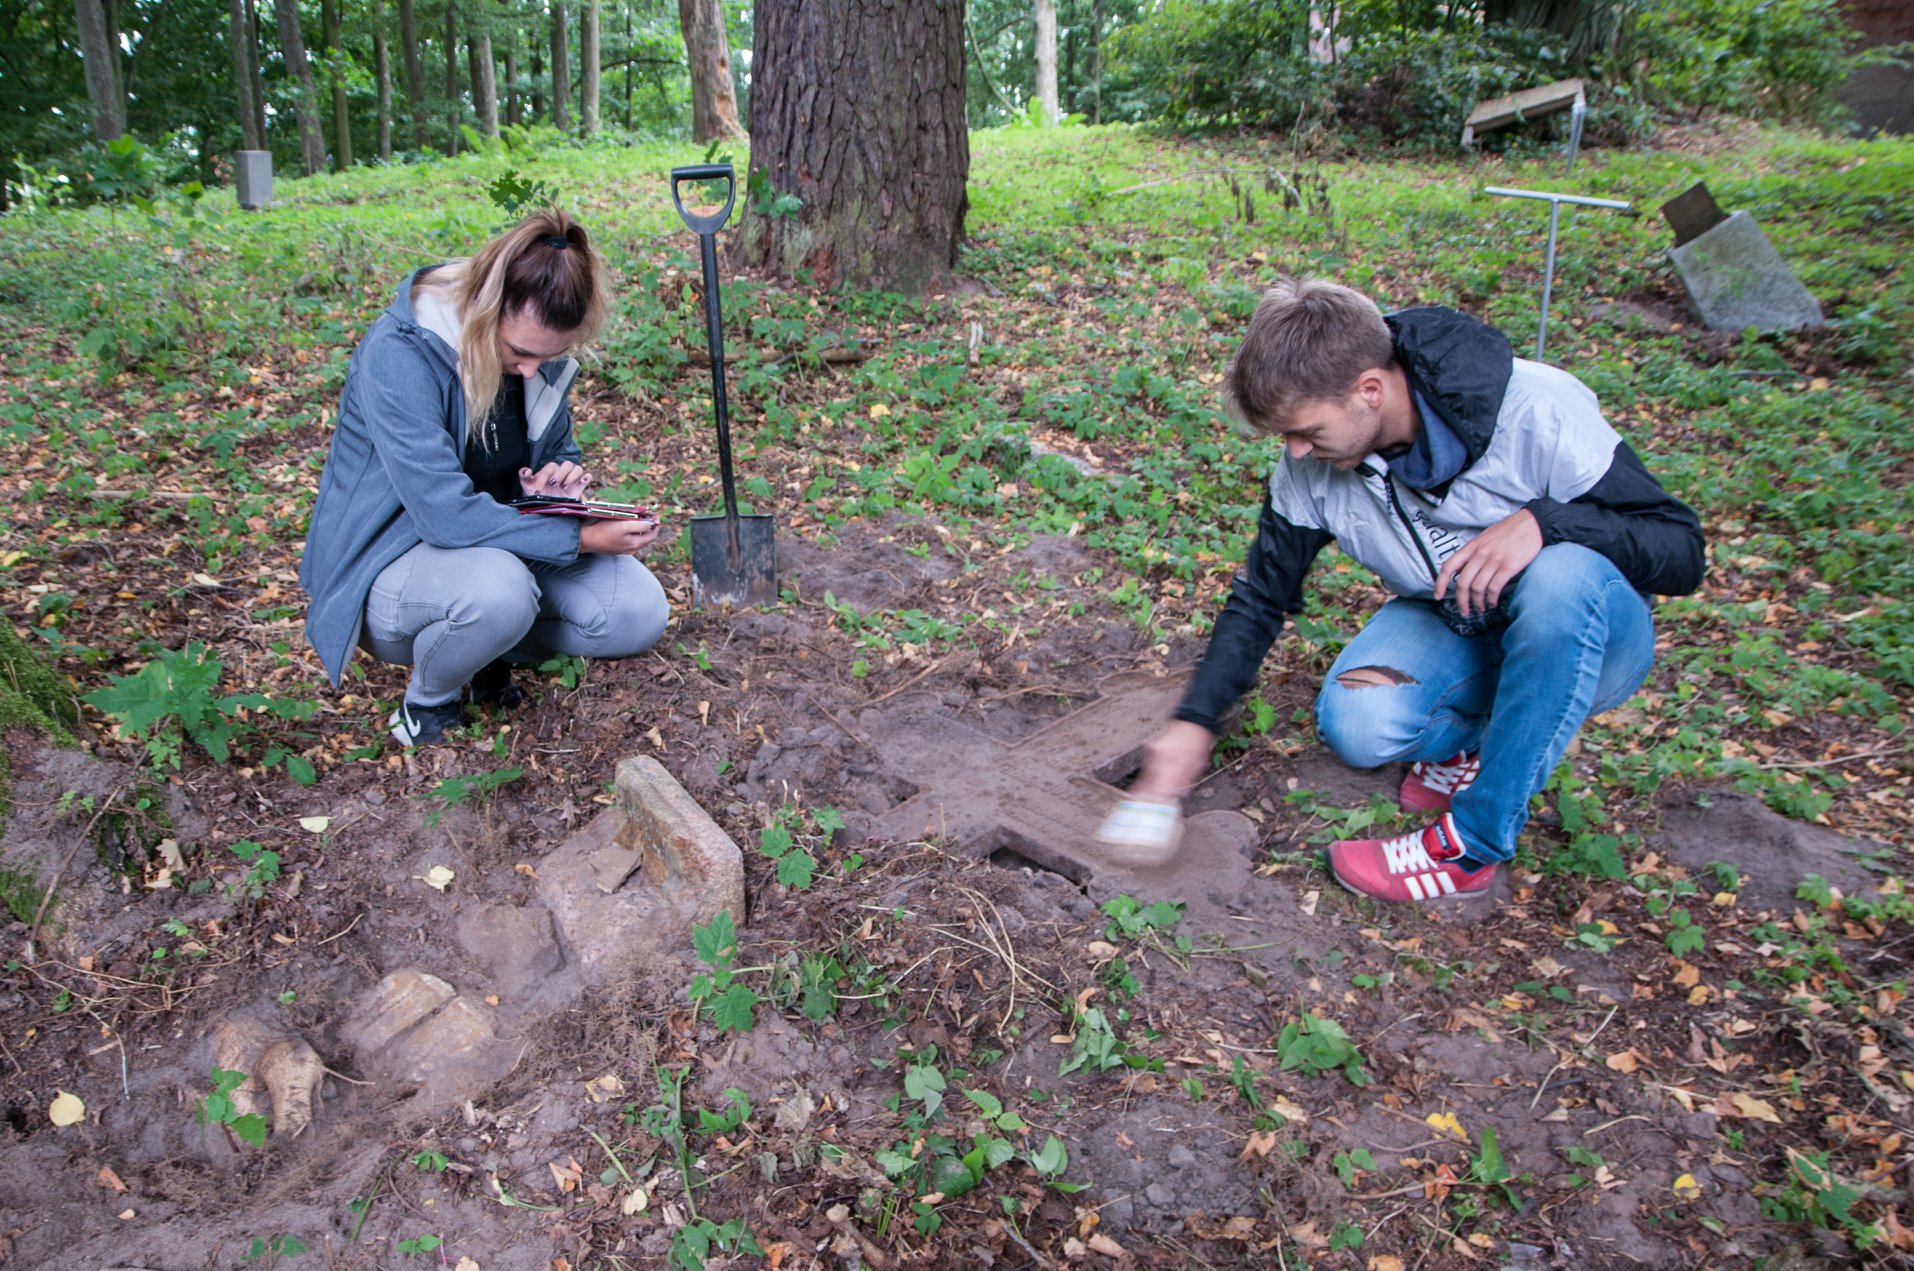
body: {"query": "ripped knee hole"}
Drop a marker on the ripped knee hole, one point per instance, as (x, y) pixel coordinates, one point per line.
(1374, 677)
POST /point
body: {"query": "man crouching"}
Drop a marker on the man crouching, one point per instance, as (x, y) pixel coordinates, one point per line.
(1518, 533)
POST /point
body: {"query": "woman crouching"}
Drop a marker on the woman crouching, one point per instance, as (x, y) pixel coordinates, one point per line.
(455, 404)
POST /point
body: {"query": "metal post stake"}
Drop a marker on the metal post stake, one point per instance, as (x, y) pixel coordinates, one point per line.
(1554, 202)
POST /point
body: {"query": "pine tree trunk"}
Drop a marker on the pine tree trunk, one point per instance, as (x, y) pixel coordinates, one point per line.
(1096, 62)
(341, 108)
(714, 96)
(538, 73)
(451, 78)
(1587, 29)
(382, 70)
(857, 108)
(101, 57)
(485, 84)
(511, 77)
(588, 69)
(561, 72)
(1046, 21)
(414, 73)
(238, 34)
(292, 46)
(253, 45)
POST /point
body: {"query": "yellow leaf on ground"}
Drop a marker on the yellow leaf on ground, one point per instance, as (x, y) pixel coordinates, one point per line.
(66, 1109)
(315, 824)
(466, 1264)
(1622, 1061)
(1687, 1188)
(1259, 1144)
(438, 878)
(1754, 1109)
(634, 1203)
(1100, 1243)
(601, 1089)
(1446, 1123)
(1385, 1262)
(879, 410)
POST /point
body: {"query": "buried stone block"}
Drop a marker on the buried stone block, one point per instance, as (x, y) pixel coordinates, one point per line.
(417, 1028)
(632, 883)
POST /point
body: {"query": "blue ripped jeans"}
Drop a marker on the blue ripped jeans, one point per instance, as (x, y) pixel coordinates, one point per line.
(1579, 641)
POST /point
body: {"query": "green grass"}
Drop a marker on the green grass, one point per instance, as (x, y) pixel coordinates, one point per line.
(204, 355)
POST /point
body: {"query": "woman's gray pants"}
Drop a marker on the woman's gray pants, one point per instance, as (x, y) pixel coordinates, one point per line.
(448, 612)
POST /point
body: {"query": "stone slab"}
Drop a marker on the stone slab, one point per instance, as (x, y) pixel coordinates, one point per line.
(684, 852)
(1042, 798)
(401, 1001)
(1735, 280)
(1530, 103)
(1692, 213)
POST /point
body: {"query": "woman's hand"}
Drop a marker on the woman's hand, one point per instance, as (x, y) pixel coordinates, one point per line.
(563, 478)
(616, 537)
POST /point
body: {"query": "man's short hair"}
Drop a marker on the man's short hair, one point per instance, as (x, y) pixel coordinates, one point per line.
(1307, 341)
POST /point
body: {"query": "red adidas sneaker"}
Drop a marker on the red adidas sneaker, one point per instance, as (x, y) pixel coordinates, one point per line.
(1417, 866)
(1430, 786)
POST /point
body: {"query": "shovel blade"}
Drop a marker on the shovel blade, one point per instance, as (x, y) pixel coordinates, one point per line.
(717, 578)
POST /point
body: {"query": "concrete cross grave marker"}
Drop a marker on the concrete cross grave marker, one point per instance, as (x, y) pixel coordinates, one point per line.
(1042, 798)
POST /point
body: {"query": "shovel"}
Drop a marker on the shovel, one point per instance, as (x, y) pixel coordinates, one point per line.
(734, 559)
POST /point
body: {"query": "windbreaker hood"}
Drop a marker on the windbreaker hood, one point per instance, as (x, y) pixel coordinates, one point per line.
(1459, 365)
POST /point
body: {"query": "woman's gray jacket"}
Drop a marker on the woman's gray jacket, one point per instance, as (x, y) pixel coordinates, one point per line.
(395, 475)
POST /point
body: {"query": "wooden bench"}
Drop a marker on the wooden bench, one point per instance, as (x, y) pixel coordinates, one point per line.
(1530, 103)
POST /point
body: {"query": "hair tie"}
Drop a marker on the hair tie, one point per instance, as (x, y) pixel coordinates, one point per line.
(558, 241)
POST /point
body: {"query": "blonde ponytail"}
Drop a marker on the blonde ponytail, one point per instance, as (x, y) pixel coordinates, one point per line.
(547, 263)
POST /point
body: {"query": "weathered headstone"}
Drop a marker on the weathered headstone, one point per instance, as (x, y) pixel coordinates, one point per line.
(1693, 213)
(1733, 276)
(252, 178)
(1042, 798)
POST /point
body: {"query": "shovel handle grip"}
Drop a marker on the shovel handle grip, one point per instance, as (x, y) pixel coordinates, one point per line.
(703, 222)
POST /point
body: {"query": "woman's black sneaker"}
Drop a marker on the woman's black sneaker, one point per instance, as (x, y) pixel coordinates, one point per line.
(415, 725)
(493, 687)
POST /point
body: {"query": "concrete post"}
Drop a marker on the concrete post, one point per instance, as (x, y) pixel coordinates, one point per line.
(252, 178)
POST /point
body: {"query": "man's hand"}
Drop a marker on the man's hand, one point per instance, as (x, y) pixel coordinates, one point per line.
(616, 537)
(563, 478)
(1487, 562)
(1172, 762)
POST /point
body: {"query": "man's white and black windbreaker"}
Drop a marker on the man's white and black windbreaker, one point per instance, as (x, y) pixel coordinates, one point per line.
(1535, 439)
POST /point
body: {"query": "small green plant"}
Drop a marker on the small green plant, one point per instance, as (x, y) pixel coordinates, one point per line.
(1487, 1167)
(1316, 1046)
(273, 1248)
(717, 994)
(419, 1244)
(517, 197)
(1130, 918)
(1347, 1235)
(216, 1108)
(476, 786)
(1350, 1165)
(1815, 1194)
(569, 670)
(262, 871)
(693, 1243)
(432, 1162)
(173, 699)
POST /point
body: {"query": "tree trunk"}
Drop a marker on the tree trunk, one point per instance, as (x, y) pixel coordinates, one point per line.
(102, 59)
(382, 70)
(511, 76)
(857, 108)
(538, 72)
(714, 96)
(1096, 62)
(452, 77)
(237, 33)
(1589, 29)
(627, 8)
(253, 45)
(341, 108)
(561, 72)
(292, 46)
(1046, 18)
(414, 73)
(485, 84)
(588, 69)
